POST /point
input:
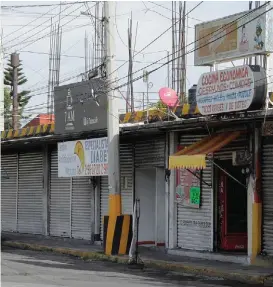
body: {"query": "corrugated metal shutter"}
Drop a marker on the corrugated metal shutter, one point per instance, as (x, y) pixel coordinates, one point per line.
(240, 144)
(30, 193)
(267, 175)
(104, 197)
(150, 152)
(126, 175)
(59, 201)
(82, 194)
(9, 170)
(194, 226)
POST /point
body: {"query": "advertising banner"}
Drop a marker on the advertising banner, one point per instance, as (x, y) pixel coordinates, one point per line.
(234, 37)
(188, 188)
(80, 107)
(83, 158)
(230, 90)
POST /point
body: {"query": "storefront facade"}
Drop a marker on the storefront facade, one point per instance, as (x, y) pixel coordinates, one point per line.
(36, 200)
(149, 180)
(219, 218)
(75, 207)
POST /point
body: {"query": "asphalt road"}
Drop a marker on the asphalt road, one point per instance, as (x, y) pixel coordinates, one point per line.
(23, 268)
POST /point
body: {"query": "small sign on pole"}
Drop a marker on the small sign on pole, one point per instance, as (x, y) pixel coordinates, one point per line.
(145, 76)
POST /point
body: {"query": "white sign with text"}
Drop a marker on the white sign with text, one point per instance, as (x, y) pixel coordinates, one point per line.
(83, 158)
(225, 91)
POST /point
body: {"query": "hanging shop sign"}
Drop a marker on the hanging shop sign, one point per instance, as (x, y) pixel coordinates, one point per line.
(235, 89)
(233, 37)
(83, 158)
(188, 188)
(80, 107)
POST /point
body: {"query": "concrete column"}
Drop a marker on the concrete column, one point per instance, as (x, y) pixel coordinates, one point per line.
(255, 201)
(167, 192)
(172, 203)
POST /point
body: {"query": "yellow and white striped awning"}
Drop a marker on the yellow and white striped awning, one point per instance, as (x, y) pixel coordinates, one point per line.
(194, 156)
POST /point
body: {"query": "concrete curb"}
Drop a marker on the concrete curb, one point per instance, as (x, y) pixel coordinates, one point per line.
(158, 264)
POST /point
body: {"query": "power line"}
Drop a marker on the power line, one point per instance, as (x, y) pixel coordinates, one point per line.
(68, 29)
(35, 27)
(43, 30)
(158, 37)
(156, 69)
(166, 8)
(82, 57)
(73, 45)
(34, 14)
(31, 108)
(205, 44)
(195, 49)
(43, 5)
(29, 23)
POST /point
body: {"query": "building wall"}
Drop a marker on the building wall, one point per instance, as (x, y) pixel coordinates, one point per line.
(42, 119)
(191, 228)
(35, 200)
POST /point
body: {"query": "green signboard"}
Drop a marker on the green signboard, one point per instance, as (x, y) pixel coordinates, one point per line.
(195, 195)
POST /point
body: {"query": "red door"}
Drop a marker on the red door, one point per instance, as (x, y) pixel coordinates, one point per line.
(232, 214)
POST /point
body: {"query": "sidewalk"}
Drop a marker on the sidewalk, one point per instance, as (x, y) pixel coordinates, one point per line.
(153, 258)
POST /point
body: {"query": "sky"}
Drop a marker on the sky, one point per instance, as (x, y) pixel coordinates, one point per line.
(26, 31)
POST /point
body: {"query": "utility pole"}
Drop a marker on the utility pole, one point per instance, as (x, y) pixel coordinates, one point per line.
(86, 68)
(113, 117)
(2, 117)
(15, 64)
(168, 67)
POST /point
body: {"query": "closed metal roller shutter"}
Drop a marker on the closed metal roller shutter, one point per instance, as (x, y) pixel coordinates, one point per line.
(150, 153)
(9, 170)
(126, 174)
(240, 144)
(60, 193)
(104, 197)
(30, 193)
(194, 226)
(267, 175)
(82, 194)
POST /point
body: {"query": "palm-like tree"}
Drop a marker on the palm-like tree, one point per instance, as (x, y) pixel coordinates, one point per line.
(22, 97)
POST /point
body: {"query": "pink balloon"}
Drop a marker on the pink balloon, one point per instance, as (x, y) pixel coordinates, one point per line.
(168, 97)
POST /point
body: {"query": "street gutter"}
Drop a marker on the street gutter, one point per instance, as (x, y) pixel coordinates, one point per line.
(266, 280)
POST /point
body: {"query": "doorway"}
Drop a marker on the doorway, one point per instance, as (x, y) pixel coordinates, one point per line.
(145, 191)
(232, 208)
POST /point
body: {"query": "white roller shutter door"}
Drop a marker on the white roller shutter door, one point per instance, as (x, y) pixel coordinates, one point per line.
(30, 193)
(82, 194)
(194, 226)
(267, 187)
(126, 175)
(60, 192)
(150, 152)
(9, 170)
